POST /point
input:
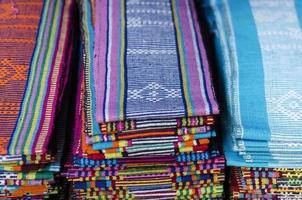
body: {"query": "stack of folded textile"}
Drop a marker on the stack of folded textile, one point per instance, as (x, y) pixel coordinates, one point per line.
(35, 52)
(146, 109)
(267, 183)
(259, 52)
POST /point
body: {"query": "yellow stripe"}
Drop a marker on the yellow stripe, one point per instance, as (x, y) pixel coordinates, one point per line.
(113, 155)
(181, 57)
(122, 58)
(38, 106)
(185, 149)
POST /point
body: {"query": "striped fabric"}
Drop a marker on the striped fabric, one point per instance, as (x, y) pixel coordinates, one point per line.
(145, 114)
(122, 88)
(15, 66)
(37, 111)
(35, 54)
(258, 46)
(121, 75)
(258, 50)
(268, 183)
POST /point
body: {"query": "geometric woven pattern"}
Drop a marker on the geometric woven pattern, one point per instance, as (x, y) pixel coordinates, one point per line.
(154, 92)
(289, 104)
(19, 23)
(35, 54)
(11, 72)
(145, 107)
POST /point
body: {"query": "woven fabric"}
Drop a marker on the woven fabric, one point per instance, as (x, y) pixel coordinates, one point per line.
(19, 26)
(256, 46)
(154, 173)
(123, 77)
(36, 50)
(33, 50)
(266, 183)
(126, 88)
(33, 129)
(145, 115)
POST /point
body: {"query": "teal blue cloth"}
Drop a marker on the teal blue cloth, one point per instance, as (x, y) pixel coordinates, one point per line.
(258, 46)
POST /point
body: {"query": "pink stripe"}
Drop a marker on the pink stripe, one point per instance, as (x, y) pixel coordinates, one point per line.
(204, 62)
(114, 77)
(195, 87)
(78, 120)
(99, 61)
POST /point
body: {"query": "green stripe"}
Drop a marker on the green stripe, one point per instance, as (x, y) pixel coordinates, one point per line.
(181, 57)
(185, 67)
(121, 69)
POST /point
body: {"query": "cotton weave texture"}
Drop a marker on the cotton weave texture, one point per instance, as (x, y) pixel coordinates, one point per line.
(146, 107)
(258, 45)
(265, 183)
(34, 63)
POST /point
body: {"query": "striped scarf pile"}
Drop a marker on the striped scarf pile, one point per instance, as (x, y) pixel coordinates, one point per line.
(267, 183)
(145, 110)
(35, 53)
(258, 45)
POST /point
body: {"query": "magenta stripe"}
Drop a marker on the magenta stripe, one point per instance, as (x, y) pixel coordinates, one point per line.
(78, 119)
(99, 61)
(36, 83)
(195, 87)
(205, 63)
(114, 61)
(78, 113)
(79, 148)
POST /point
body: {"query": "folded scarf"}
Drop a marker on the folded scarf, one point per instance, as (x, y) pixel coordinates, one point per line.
(257, 45)
(145, 111)
(36, 51)
(34, 55)
(122, 84)
(272, 183)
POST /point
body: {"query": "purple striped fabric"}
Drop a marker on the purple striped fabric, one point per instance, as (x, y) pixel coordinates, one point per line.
(138, 74)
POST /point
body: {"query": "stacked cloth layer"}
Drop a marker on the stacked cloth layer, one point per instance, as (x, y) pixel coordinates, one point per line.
(258, 47)
(35, 52)
(146, 109)
(266, 183)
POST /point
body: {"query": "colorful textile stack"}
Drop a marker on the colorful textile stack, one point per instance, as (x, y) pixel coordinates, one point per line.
(258, 47)
(266, 183)
(35, 52)
(146, 107)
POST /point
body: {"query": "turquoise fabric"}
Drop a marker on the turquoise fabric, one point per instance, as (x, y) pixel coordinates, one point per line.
(258, 46)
